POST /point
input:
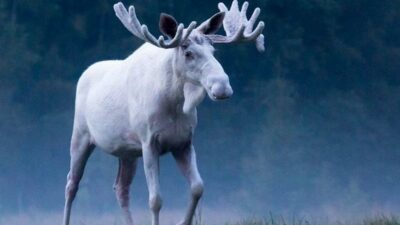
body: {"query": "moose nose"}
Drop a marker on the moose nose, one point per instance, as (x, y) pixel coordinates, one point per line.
(221, 91)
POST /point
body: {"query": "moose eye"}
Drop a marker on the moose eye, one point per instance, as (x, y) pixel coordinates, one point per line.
(189, 55)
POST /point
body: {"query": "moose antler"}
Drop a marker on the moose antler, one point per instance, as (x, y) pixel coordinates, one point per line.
(131, 22)
(238, 28)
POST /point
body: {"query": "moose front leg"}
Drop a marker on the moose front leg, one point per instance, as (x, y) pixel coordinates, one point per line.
(151, 170)
(186, 161)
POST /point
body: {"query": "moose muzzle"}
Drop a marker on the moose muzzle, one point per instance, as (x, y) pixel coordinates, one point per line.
(219, 87)
(220, 91)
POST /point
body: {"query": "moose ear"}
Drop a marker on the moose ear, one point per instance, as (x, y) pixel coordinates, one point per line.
(168, 25)
(213, 24)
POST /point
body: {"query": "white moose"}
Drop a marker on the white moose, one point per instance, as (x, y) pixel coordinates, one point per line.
(146, 104)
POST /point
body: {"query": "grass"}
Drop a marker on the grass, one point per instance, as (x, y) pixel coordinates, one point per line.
(200, 219)
(382, 220)
(273, 220)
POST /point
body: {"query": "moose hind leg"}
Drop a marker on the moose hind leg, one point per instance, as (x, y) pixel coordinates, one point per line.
(81, 149)
(186, 161)
(151, 171)
(126, 172)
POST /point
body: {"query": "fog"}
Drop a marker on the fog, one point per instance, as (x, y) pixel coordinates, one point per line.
(312, 129)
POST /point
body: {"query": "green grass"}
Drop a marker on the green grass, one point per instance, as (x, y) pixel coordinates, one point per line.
(382, 220)
(200, 219)
(273, 220)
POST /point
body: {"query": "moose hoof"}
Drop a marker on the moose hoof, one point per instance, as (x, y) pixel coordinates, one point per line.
(183, 223)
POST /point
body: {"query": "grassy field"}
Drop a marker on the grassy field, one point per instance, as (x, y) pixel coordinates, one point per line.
(377, 220)
(54, 219)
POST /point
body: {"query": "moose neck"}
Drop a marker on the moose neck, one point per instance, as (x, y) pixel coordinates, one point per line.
(172, 85)
(193, 93)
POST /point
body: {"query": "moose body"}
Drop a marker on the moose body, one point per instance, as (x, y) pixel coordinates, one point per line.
(133, 107)
(145, 105)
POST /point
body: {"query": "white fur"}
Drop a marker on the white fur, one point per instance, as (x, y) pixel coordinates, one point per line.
(145, 105)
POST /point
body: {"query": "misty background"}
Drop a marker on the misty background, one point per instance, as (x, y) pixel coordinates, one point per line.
(312, 128)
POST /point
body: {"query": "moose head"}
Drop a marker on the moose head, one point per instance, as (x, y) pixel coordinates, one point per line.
(194, 58)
